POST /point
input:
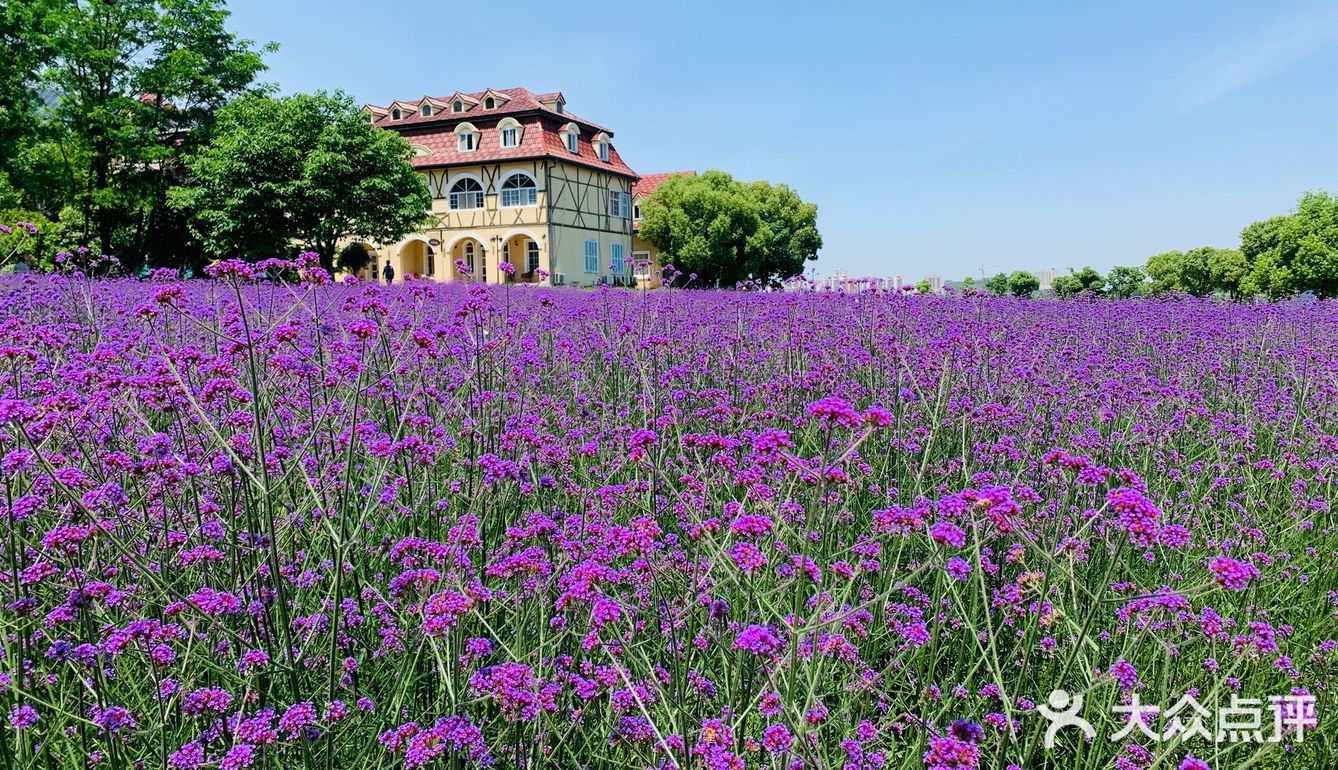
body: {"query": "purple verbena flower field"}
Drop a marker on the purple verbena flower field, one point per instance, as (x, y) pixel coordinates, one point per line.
(314, 525)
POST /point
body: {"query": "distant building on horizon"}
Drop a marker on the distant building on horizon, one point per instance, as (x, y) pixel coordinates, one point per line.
(1047, 278)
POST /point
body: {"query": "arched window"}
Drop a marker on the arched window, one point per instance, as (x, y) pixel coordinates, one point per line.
(489, 103)
(602, 146)
(466, 194)
(519, 190)
(573, 138)
(458, 106)
(426, 110)
(395, 114)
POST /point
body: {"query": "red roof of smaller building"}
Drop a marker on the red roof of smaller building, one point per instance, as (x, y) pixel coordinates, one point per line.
(648, 183)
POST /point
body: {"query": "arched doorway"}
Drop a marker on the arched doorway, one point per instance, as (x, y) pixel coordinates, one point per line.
(522, 250)
(413, 258)
(468, 260)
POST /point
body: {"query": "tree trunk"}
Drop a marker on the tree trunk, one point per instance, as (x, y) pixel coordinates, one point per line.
(327, 253)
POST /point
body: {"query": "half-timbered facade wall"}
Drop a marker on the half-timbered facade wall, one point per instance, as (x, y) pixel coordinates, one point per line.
(583, 208)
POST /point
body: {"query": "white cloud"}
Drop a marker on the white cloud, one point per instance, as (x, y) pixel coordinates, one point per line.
(1217, 78)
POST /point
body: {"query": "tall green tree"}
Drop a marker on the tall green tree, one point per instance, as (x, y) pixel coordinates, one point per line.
(1188, 272)
(1023, 284)
(1084, 281)
(306, 169)
(1124, 282)
(1066, 286)
(997, 284)
(1294, 253)
(26, 42)
(727, 231)
(1227, 271)
(136, 84)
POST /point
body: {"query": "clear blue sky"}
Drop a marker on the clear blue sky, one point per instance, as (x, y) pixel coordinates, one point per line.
(934, 139)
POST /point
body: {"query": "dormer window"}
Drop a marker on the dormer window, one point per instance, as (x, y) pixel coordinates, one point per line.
(458, 106)
(602, 146)
(467, 138)
(489, 103)
(573, 138)
(426, 111)
(395, 114)
(509, 132)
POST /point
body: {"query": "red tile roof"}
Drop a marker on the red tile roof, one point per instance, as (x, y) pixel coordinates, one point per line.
(648, 183)
(541, 135)
(540, 138)
(519, 100)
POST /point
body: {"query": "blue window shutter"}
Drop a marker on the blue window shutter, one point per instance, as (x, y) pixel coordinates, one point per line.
(592, 256)
(618, 258)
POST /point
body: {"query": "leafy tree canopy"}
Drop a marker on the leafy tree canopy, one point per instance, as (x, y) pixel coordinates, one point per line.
(726, 231)
(1293, 253)
(134, 86)
(353, 257)
(1125, 282)
(303, 170)
(1023, 284)
(997, 284)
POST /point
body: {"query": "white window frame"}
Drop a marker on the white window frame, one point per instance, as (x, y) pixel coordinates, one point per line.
(573, 142)
(396, 114)
(458, 106)
(425, 110)
(618, 204)
(454, 197)
(466, 141)
(591, 255)
(531, 256)
(514, 135)
(638, 258)
(520, 196)
(604, 151)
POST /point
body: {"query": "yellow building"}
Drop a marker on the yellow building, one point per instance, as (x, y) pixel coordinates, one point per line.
(644, 254)
(515, 179)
